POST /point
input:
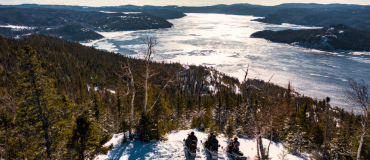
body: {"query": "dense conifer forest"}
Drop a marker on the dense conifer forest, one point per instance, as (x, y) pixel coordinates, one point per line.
(62, 100)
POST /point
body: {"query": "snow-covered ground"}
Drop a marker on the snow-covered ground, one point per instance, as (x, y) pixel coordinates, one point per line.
(174, 148)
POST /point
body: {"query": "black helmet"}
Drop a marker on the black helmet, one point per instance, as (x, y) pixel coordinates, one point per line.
(192, 133)
(211, 133)
(235, 139)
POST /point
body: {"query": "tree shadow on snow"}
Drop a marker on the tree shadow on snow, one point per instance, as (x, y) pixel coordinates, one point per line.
(133, 150)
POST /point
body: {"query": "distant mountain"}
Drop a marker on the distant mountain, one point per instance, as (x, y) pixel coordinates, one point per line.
(353, 16)
(330, 38)
(315, 5)
(310, 14)
(150, 17)
(156, 11)
(69, 22)
(173, 11)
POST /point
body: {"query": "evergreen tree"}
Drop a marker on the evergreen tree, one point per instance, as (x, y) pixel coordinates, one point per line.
(84, 137)
(288, 97)
(62, 126)
(145, 128)
(6, 150)
(230, 129)
(316, 135)
(118, 106)
(219, 113)
(302, 120)
(208, 122)
(81, 86)
(160, 113)
(180, 107)
(95, 105)
(207, 117)
(38, 102)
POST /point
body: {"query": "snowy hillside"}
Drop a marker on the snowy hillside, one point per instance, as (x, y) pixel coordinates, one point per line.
(174, 148)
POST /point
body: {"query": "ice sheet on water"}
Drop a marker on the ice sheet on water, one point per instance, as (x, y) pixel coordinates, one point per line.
(17, 28)
(228, 37)
(107, 12)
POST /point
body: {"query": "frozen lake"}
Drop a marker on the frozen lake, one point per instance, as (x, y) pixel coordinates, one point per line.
(224, 42)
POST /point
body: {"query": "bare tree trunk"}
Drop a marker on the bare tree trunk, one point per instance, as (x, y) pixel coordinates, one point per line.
(258, 151)
(358, 96)
(132, 100)
(326, 130)
(146, 85)
(361, 141)
(254, 118)
(150, 42)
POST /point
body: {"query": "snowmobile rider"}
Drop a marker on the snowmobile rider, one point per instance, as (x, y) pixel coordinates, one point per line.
(236, 145)
(209, 138)
(230, 146)
(213, 143)
(192, 139)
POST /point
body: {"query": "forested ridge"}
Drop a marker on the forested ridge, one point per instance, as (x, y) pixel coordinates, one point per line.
(76, 25)
(71, 98)
(335, 37)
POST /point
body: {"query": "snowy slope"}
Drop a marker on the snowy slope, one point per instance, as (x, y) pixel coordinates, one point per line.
(174, 148)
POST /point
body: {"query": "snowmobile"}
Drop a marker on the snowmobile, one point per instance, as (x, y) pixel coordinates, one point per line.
(191, 147)
(235, 154)
(212, 150)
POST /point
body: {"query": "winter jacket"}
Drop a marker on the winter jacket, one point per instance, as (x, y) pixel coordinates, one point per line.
(236, 145)
(214, 144)
(192, 137)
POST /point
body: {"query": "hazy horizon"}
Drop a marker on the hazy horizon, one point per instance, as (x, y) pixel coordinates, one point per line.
(96, 3)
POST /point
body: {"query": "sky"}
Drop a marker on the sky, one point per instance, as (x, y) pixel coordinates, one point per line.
(176, 2)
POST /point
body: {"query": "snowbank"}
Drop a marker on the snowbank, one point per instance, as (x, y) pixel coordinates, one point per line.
(174, 148)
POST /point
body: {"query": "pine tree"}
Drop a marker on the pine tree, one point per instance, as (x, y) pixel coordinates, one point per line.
(288, 97)
(84, 137)
(145, 128)
(302, 120)
(230, 129)
(38, 102)
(62, 130)
(6, 132)
(229, 106)
(95, 105)
(198, 114)
(208, 122)
(219, 113)
(316, 135)
(82, 91)
(160, 113)
(118, 106)
(180, 107)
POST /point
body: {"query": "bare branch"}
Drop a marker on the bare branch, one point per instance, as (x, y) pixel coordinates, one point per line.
(271, 78)
(158, 96)
(246, 74)
(152, 75)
